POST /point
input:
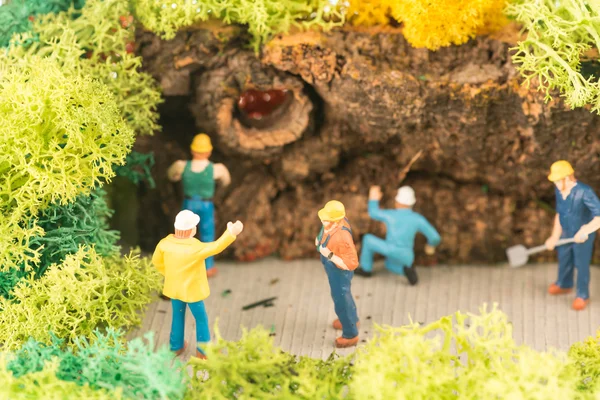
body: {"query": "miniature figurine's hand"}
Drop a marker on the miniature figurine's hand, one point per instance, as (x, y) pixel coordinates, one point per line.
(324, 251)
(581, 237)
(551, 243)
(235, 229)
(316, 241)
(375, 193)
(429, 250)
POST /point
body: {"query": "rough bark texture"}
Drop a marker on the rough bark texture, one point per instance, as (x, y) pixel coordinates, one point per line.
(364, 103)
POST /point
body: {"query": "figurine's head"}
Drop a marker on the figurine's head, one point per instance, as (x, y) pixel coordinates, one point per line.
(405, 197)
(562, 175)
(201, 146)
(332, 213)
(185, 224)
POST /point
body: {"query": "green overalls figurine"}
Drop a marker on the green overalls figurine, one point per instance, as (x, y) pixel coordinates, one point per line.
(198, 177)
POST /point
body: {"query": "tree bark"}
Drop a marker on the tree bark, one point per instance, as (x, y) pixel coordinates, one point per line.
(362, 104)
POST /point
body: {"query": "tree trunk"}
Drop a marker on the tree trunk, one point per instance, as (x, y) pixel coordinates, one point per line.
(359, 105)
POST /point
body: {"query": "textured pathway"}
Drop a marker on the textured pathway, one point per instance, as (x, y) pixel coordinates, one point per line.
(302, 314)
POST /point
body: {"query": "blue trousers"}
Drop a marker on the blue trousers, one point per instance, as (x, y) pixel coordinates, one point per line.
(396, 258)
(206, 211)
(576, 256)
(178, 324)
(343, 302)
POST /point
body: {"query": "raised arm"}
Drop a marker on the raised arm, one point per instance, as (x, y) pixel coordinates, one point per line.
(213, 248)
(158, 259)
(221, 173)
(176, 170)
(377, 213)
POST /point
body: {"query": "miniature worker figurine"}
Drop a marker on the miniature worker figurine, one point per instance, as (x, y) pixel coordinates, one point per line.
(402, 226)
(339, 258)
(577, 216)
(199, 177)
(180, 258)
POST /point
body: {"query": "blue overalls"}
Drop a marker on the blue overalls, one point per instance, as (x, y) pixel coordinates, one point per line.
(578, 209)
(402, 226)
(199, 188)
(339, 283)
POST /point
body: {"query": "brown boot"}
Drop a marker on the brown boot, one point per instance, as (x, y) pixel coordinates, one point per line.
(338, 325)
(579, 304)
(200, 355)
(181, 350)
(211, 272)
(554, 290)
(342, 342)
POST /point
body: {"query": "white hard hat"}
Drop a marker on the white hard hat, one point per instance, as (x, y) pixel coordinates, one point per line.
(186, 220)
(406, 196)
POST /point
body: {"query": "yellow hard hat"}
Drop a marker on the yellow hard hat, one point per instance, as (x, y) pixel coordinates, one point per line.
(560, 170)
(201, 144)
(333, 211)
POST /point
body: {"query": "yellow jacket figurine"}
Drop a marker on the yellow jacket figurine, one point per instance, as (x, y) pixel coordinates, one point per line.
(180, 258)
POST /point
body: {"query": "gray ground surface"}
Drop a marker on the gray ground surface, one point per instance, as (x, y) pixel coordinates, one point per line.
(302, 314)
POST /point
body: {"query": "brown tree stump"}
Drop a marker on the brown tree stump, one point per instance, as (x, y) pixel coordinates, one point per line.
(361, 103)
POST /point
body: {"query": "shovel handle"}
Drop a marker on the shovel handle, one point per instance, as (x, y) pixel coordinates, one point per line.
(539, 249)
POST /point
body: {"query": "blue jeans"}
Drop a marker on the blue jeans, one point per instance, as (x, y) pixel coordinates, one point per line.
(206, 210)
(178, 324)
(396, 258)
(343, 302)
(576, 255)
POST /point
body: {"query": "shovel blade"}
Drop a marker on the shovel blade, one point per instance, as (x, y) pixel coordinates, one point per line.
(517, 256)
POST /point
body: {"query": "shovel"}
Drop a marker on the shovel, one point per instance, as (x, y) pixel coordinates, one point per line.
(518, 255)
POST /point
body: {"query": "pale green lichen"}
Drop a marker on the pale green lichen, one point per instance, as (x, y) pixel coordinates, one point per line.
(559, 34)
(98, 32)
(60, 136)
(74, 298)
(264, 18)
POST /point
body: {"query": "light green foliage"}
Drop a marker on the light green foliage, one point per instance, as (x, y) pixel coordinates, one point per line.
(99, 34)
(559, 33)
(14, 16)
(586, 356)
(60, 135)
(45, 385)
(74, 298)
(66, 227)
(254, 368)
(264, 18)
(107, 361)
(473, 357)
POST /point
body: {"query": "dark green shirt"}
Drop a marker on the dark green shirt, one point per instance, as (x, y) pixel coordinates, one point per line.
(200, 184)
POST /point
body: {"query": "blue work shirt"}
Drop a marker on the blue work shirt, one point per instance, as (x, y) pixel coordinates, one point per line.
(578, 209)
(402, 225)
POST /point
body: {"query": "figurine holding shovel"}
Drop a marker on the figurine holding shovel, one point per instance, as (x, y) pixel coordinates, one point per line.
(575, 224)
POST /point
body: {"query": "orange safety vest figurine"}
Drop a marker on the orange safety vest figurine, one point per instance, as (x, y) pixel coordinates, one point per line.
(198, 177)
(180, 258)
(339, 259)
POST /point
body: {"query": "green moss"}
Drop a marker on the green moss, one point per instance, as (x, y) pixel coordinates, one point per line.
(45, 385)
(460, 356)
(15, 16)
(253, 368)
(106, 361)
(264, 18)
(74, 298)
